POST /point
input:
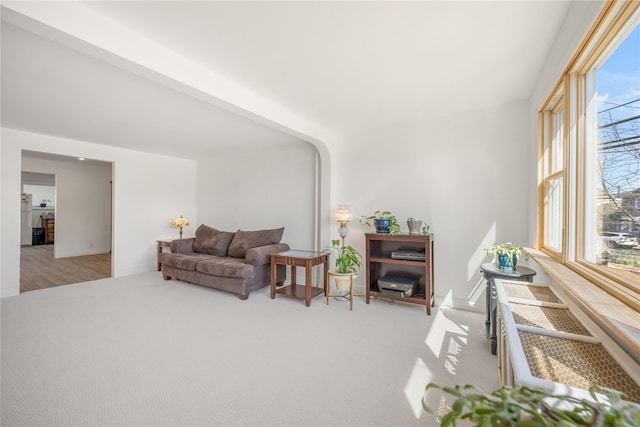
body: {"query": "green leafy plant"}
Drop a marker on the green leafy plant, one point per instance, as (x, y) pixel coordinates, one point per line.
(45, 201)
(348, 259)
(394, 228)
(508, 249)
(527, 407)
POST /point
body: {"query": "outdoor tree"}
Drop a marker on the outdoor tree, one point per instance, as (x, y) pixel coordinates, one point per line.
(619, 160)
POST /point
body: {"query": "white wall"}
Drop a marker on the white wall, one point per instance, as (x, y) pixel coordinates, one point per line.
(149, 191)
(465, 175)
(261, 189)
(41, 192)
(83, 204)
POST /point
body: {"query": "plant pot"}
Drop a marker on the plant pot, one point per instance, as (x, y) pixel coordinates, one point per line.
(506, 263)
(382, 225)
(43, 205)
(343, 280)
(415, 226)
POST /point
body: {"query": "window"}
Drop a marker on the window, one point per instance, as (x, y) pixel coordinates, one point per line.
(553, 170)
(590, 157)
(615, 185)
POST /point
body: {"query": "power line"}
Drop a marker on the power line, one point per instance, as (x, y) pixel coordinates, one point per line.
(617, 105)
(628, 119)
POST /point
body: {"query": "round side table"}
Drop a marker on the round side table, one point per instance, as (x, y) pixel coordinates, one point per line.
(491, 271)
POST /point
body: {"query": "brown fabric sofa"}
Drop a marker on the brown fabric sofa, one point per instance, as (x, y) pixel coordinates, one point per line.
(237, 262)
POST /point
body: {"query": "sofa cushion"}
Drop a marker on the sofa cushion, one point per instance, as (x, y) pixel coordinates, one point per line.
(182, 246)
(183, 261)
(211, 241)
(226, 268)
(245, 240)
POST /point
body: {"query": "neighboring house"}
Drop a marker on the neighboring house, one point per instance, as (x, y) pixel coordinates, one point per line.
(621, 212)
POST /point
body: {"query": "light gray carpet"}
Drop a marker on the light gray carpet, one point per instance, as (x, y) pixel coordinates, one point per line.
(141, 351)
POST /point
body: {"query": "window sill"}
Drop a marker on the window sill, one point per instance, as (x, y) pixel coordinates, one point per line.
(618, 320)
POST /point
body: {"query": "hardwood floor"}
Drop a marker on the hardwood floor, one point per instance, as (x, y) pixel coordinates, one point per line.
(39, 269)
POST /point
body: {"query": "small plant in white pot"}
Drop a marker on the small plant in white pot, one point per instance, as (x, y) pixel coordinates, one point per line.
(348, 263)
(416, 227)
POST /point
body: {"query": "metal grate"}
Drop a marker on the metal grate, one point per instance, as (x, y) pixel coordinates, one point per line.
(576, 363)
(538, 293)
(556, 319)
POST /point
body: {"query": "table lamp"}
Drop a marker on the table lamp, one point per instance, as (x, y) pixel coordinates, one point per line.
(180, 222)
(343, 216)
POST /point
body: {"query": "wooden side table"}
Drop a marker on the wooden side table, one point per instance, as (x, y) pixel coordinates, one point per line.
(162, 244)
(306, 259)
(492, 271)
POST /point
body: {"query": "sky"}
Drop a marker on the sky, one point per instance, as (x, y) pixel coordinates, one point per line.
(619, 76)
(619, 83)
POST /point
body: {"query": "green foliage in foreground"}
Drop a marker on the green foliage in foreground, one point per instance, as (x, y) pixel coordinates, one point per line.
(526, 407)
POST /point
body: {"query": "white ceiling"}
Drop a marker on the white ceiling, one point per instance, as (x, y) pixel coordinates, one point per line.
(344, 66)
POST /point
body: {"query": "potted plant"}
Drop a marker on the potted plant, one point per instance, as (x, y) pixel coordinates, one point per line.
(383, 221)
(348, 263)
(416, 227)
(507, 254)
(527, 407)
(43, 203)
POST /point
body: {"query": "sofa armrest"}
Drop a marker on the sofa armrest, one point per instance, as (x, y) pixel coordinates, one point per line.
(182, 246)
(262, 254)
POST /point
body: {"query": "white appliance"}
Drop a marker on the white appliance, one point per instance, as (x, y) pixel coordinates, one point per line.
(25, 219)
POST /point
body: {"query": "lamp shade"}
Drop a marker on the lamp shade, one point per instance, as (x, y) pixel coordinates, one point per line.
(343, 215)
(180, 222)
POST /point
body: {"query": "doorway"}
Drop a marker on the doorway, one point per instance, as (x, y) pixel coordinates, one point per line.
(38, 221)
(75, 223)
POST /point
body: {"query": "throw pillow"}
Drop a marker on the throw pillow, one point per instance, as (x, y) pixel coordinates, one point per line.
(245, 240)
(211, 241)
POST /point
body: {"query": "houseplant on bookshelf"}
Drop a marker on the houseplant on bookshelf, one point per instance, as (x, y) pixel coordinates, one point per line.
(416, 227)
(383, 221)
(508, 254)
